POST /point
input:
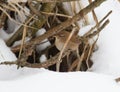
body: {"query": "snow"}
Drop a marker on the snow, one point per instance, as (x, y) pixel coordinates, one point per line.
(105, 69)
(11, 73)
(43, 58)
(43, 45)
(5, 53)
(16, 1)
(16, 43)
(107, 57)
(48, 81)
(4, 35)
(85, 29)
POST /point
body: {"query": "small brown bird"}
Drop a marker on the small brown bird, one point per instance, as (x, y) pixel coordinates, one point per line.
(73, 45)
(61, 38)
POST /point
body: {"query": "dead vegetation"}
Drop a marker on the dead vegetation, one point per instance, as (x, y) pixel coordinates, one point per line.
(68, 51)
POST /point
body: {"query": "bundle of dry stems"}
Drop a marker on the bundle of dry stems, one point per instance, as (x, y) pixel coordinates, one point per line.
(68, 51)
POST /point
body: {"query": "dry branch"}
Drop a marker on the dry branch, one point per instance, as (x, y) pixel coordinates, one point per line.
(54, 59)
(49, 62)
(98, 24)
(98, 30)
(42, 18)
(75, 63)
(45, 1)
(94, 14)
(65, 24)
(47, 7)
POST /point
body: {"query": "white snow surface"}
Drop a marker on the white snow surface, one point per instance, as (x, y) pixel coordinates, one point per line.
(48, 81)
(101, 78)
(106, 59)
(5, 53)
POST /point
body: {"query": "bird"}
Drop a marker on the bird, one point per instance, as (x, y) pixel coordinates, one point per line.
(72, 45)
(61, 38)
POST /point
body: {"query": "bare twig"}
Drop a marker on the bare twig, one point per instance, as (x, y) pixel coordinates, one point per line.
(47, 7)
(98, 24)
(15, 49)
(24, 35)
(86, 38)
(98, 30)
(65, 24)
(49, 62)
(81, 58)
(94, 14)
(63, 49)
(44, 1)
(90, 52)
(80, 4)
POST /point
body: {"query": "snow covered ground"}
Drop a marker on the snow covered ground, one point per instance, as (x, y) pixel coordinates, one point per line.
(107, 58)
(101, 78)
(47, 81)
